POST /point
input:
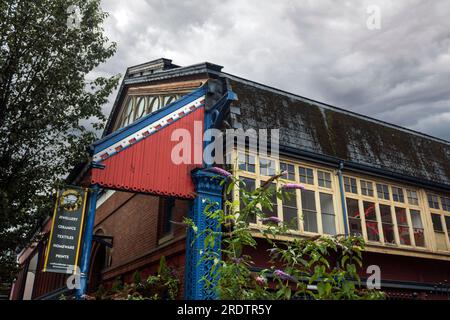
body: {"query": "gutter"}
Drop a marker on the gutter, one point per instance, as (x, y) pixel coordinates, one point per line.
(341, 189)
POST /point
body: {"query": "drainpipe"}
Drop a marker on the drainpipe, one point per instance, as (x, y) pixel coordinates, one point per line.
(341, 189)
(87, 242)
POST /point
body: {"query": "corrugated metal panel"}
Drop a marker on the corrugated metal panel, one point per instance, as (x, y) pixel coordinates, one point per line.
(146, 166)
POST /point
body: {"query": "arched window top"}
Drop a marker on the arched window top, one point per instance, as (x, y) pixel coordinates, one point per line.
(138, 106)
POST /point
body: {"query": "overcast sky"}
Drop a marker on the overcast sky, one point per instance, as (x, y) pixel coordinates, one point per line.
(320, 49)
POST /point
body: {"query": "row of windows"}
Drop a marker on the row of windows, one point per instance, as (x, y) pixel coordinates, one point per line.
(267, 167)
(363, 214)
(383, 191)
(138, 106)
(378, 211)
(311, 202)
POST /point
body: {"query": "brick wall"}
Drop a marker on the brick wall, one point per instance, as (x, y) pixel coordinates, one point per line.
(133, 221)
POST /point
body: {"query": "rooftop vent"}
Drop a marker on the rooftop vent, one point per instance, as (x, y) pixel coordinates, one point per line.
(150, 67)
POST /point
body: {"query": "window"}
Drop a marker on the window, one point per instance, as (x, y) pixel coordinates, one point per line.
(354, 218)
(397, 194)
(167, 207)
(402, 225)
(383, 191)
(154, 104)
(309, 211)
(350, 185)
(433, 201)
(306, 175)
(127, 114)
(290, 169)
(249, 185)
(266, 167)
(419, 236)
(140, 107)
(439, 232)
(290, 209)
(324, 179)
(413, 199)
(371, 221)
(327, 211)
(366, 188)
(445, 204)
(447, 223)
(274, 211)
(386, 222)
(246, 162)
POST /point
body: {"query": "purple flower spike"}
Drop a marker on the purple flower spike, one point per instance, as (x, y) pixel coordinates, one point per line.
(219, 171)
(289, 186)
(271, 219)
(283, 275)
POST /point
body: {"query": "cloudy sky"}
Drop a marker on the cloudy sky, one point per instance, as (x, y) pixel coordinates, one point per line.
(325, 50)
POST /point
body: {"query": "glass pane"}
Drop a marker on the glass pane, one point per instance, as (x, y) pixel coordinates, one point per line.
(274, 212)
(440, 241)
(290, 169)
(309, 211)
(324, 179)
(397, 194)
(290, 209)
(437, 223)
(433, 201)
(246, 162)
(445, 203)
(140, 108)
(383, 191)
(328, 219)
(447, 223)
(290, 217)
(388, 227)
(249, 186)
(353, 214)
(154, 104)
(403, 227)
(266, 167)
(416, 221)
(306, 175)
(412, 197)
(371, 221)
(350, 185)
(367, 188)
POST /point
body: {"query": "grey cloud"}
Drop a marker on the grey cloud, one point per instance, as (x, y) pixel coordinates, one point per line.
(320, 49)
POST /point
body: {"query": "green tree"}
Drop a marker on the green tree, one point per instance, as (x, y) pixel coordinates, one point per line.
(49, 110)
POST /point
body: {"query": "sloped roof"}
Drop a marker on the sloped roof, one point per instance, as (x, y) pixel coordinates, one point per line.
(325, 130)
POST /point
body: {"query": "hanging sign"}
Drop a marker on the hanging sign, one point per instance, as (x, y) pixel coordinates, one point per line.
(67, 226)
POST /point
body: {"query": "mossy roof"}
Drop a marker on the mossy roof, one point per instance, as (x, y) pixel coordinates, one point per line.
(325, 130)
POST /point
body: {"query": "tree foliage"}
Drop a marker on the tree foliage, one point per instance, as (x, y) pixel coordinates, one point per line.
(49, 108)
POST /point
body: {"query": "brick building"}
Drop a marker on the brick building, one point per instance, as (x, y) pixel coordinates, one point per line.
(364, 176)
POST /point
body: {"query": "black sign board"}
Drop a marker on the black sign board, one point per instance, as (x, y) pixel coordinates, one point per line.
(65, 235)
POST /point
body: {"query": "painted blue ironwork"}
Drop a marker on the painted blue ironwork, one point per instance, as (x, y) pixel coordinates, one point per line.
(341, 189)
(209, 192)
(87, 241)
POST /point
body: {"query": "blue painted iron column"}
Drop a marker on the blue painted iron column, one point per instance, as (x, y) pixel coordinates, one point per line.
(87, 241)
(209, 190)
